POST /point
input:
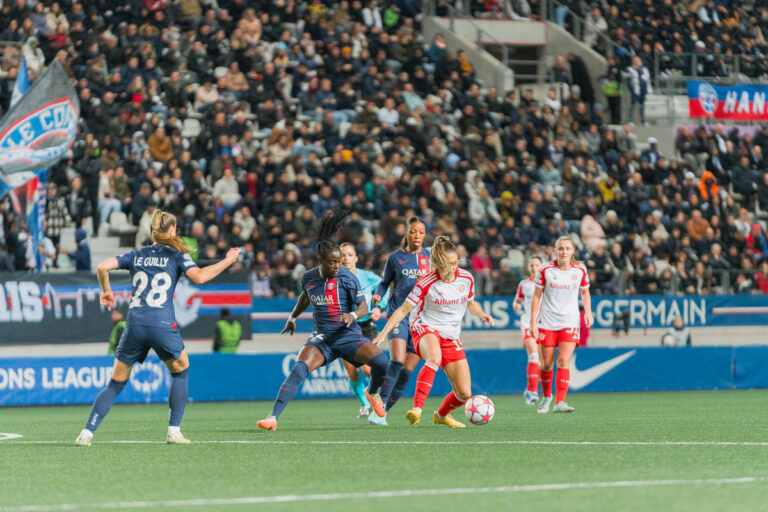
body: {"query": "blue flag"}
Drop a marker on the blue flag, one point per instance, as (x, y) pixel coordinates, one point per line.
(21, 85)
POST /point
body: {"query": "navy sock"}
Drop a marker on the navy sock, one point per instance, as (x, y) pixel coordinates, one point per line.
(177, 398)
(290, 387)
(103, 404)
(399, 387)
(378, 364)
(388, 384)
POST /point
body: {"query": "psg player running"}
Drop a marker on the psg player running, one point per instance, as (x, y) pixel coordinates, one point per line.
(337, 302)
(401, 271)
(437, 305)
(151, 322)
(555, 319)
(523, 299)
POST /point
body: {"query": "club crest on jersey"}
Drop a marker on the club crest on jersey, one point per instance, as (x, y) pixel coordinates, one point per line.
(462, 288)
(331, 286)
(574, 277)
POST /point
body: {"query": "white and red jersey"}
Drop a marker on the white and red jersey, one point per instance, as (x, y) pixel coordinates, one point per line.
(442, 305)
(560, 299)
(525, 291)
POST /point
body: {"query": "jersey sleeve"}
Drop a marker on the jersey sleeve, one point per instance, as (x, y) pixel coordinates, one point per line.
(519, 293)
(539, 278)
(471, 289)
(584, 280)
(386, 278)
(125, 261)
(185, 263)
(417, 294)
(356, 295)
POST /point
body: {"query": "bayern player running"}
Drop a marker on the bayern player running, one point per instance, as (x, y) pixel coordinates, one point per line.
(151, 321)
(403, 269)
(337, 302)
(555, 319)
(522, 303)
(368, 283)
(437, 305)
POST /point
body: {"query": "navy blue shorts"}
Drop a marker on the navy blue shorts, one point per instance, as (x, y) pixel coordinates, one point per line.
(136, 341)
(403, 331)
(342, 343)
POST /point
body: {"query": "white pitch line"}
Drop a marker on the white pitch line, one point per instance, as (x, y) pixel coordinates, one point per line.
(408, 443)
(4, 436)
(288, 498)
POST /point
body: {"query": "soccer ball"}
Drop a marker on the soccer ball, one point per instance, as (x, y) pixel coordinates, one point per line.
(479, 410)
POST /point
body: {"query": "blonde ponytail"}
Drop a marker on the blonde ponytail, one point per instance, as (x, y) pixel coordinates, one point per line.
(440, 250)
(161, 223)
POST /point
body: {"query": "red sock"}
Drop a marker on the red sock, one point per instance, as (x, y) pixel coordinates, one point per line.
(423, 384)
(450, 403)
(561, 383)
(546, 382)
(533, 377)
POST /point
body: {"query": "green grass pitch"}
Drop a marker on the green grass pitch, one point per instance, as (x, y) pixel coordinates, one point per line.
(631, 451)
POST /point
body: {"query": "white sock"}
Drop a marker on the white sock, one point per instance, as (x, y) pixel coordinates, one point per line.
(174, 430)
(417, 409)
(86, 433)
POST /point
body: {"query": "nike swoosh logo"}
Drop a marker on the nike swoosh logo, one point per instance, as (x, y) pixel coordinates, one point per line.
(583, 378)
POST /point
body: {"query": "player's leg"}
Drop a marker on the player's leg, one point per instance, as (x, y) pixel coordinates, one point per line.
(380, 386)
(178, 396)
(103, 402)
(411, 361)
(532, 370)
(429, 349)
(461, 382)
(131, 348)
(310, 358)
(357, 385)
(381, 379)
(564, 353)
(547, 359)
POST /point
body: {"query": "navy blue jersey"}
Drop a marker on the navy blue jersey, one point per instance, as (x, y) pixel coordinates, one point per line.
(154, 273)
(331, 298)
(404, 269)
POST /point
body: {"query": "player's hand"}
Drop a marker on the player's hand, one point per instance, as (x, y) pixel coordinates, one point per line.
(588, 319)
(348, 318)
(535, 331)
(516, 306)
(375, 314)
(488, 319)
(378, 340)
(108, 300)
(232, 255)
(289, 326)
(375, 299)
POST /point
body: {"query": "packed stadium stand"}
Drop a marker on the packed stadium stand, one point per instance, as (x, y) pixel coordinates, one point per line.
(248, 120)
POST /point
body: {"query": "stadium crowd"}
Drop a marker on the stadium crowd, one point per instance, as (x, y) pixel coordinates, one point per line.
(248, 120)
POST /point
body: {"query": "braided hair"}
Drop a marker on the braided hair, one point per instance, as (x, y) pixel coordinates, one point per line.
(330, 223)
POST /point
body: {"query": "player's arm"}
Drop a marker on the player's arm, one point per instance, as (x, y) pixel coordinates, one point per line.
(477, 310)
(535, 305)
(397, 317)
(518, 302)
(301, 305)
(205, 274)
(102, 273)
(386, 280)
(586, 299)
(360, 312)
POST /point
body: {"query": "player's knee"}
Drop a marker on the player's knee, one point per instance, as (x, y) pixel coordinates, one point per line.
(463, 393)
(547, 366)
(563, 362)
(379, 362)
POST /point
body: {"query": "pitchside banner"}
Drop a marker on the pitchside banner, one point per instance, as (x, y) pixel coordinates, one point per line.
(64, 308)
(38, 381)
(738, 102)
(648, 311)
